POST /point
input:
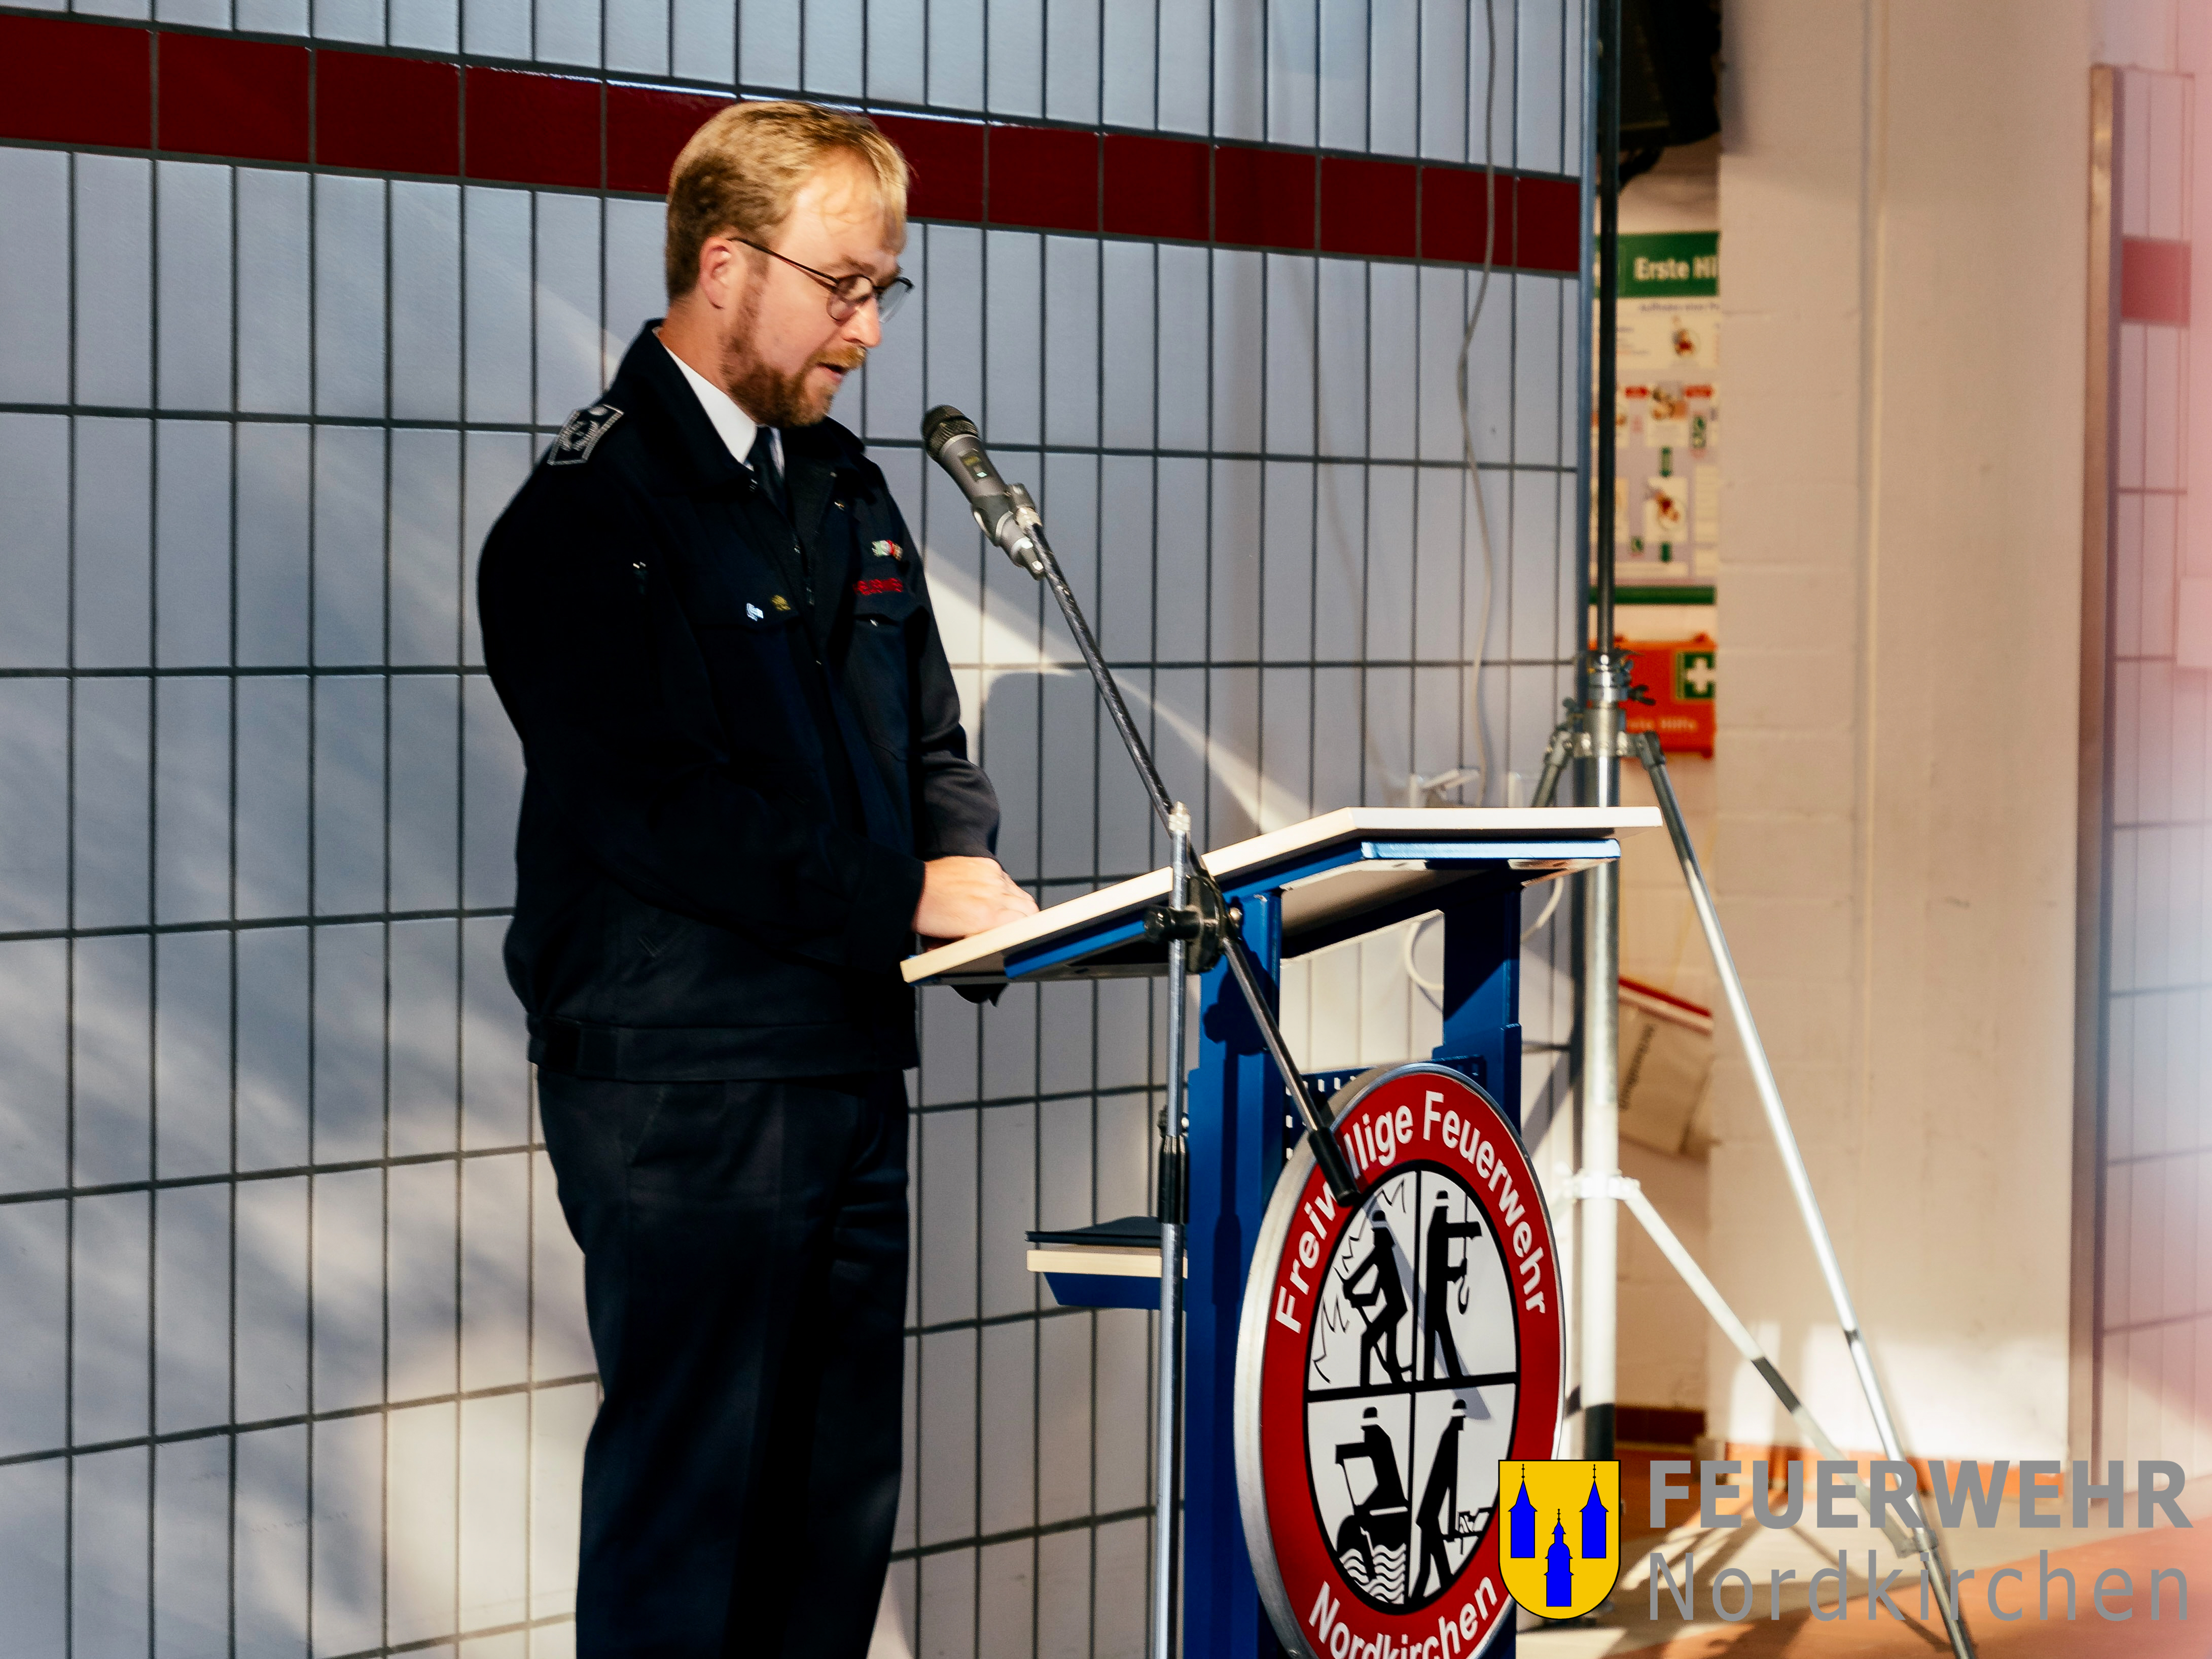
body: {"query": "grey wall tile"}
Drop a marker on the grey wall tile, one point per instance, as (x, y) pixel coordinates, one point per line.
(425, 564)
(113, 223)
(269, 1543)
(426, 295)
(109, 1519)
(33, 803)
(193, 300)
(34, 1570)
(192, 799)
(192, 595)
(272, 1298)
(191, 1311)
(348, 1037)
(275, 482)
(272, 1045)
(192, 1053)
(272, 762)
(34, 276)
(350, 489)
(111, 1059)
(111, 1321)
(192, 1548)
(423, 1244)
(34, 1363)
(114, 543)
(275, 353)
(34, 556)
(425, 1041)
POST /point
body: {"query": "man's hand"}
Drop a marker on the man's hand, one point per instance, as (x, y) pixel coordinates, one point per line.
(960, 896)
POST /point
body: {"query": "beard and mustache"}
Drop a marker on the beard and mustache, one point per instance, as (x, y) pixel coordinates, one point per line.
(772, 397)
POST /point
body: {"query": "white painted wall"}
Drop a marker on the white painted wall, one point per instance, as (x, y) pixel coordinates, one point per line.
(1903, 196)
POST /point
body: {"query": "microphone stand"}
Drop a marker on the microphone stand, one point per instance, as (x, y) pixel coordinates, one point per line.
(1198, 930)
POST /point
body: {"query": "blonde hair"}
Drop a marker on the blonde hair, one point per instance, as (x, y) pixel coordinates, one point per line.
(738, 174)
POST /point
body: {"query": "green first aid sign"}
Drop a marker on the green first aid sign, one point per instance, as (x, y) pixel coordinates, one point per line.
(1675, 264)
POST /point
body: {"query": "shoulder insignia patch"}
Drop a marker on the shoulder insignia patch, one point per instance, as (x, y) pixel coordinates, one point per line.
(573, 445)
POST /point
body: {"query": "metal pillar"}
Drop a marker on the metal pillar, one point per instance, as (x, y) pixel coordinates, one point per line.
(1602, 685)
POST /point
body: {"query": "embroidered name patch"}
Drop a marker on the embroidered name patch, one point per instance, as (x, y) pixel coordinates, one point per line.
(879, 585)
(573, 444)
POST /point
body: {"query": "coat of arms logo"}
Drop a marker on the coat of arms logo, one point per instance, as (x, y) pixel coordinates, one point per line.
(1562, 1549)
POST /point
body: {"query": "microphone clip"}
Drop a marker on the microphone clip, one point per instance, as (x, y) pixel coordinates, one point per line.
(1200, 924)
(1011, 531)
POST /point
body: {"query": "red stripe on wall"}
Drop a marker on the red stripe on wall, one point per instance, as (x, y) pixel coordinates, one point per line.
(2154, 281)
(64, 81)
(387, 114)
(1158, 187)
(223, 96)
(1367, 208)
(1263, 198)
(646, 130)
(1547, 225)
(947, 158)
(1452, 206)
(1043, 178)
(527, 129)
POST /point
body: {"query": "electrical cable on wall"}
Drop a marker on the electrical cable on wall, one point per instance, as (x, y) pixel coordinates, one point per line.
(1479, 773)
(1420, 789)
(1465, 425)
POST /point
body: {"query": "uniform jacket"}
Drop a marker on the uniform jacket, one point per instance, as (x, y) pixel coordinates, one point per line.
(741, 741)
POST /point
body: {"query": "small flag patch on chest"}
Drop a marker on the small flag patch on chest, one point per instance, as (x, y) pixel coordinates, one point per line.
(885, 550)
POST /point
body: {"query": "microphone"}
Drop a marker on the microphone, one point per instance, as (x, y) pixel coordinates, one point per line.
(1003, 512)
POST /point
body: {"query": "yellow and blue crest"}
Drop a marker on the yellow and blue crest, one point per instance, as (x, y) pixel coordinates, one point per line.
(1561, 1551)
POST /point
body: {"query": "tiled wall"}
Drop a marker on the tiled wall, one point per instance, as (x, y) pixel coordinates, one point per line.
(293, 1359)
(2153, 1326)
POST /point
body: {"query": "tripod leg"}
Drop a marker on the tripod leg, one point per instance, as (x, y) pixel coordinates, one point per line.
(1920, 1541)
(1647, 750)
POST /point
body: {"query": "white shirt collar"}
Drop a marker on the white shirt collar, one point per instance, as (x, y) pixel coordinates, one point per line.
(735, 427)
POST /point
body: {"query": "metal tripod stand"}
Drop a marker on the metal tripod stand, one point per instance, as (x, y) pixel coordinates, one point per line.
(1601, 1183)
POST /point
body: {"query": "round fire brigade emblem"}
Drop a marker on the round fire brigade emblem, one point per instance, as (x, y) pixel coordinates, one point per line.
(1391, 1354)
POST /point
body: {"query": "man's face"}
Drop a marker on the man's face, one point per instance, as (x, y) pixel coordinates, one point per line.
(783, 356)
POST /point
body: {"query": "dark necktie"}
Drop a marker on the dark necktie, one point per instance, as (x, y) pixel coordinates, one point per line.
(765, 471)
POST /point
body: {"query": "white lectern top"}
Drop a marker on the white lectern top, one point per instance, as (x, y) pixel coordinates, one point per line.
(1334, 871)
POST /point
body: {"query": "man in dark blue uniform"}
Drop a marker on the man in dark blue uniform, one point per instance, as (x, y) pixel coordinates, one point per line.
(747, 791)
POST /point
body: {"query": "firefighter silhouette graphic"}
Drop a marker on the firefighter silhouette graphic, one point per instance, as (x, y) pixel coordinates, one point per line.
(1438, 1517)
(1371, 1543)
(1439, 1276)
(1386, 1296)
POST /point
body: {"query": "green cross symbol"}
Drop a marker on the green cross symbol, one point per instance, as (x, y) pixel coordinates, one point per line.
(1694, 676)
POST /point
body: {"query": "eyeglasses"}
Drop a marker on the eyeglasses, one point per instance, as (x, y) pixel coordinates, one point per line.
(848, 293)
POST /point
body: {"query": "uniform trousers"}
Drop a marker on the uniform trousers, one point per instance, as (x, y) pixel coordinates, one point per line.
(745, 1277)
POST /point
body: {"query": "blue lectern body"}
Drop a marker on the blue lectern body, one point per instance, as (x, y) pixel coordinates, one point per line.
(1293, 890)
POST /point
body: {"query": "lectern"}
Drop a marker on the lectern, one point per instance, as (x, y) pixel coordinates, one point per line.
(1291, 892)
